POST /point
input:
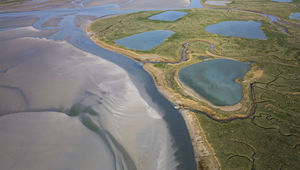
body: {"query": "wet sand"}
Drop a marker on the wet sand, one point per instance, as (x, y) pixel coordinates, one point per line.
(44, 80)
(123, 4)
(50, 140)
(52, 22)
(8, 22)
(44, 75)
(36, 5)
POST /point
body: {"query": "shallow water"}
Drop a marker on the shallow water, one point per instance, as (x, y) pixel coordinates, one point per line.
(168, 16)
(217, 3)
(195, 4)
(282, 0)
(145, 41)
(214, 80)
(245, 29)
(295, 16)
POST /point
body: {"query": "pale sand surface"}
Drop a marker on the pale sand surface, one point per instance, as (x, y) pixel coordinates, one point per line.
(44, 75)
(22, 21)
(37, 5)
(20, 33)
(50, 140)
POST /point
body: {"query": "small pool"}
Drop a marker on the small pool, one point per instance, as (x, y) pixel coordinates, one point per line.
(168, 16)
(282, 0)
(214, 80)
(145, 41)
(295, 16)
(217, 3)
(245, 29)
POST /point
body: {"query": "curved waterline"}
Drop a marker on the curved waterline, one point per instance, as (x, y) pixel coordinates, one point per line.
(179, 153)
(214, 80)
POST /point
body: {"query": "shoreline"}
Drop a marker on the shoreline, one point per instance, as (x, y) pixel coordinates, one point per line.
(204, 154)
(129, 53)
(159, 81)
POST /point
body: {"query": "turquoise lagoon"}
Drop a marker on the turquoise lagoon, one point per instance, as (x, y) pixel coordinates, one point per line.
(295, 16)
(144, 41)
(218, 3)
(214, 80)
(244, 29)
(168, 16)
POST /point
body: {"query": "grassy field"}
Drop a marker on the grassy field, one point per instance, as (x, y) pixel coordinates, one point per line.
(280, 9)
(270, 138)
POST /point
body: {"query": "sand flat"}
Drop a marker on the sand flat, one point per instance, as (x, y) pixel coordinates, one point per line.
(52, 75)
(50, 140)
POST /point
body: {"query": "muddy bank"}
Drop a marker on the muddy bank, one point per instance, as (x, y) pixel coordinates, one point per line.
(204, 153)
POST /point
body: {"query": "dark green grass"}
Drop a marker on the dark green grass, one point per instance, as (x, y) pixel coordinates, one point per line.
(280, 9)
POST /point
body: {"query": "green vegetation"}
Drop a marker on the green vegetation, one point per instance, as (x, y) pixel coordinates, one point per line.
(268, 139)
(4, 3)
(281, 9)
(76, 110)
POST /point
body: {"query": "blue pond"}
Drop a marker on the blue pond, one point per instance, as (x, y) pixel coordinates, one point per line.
(245, 29)
(217, 3)
(295, 16)
(168, 16)
(214, 80)
(282, 0)
(144, 41)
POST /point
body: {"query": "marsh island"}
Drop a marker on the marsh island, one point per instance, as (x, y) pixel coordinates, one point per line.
(259, 128)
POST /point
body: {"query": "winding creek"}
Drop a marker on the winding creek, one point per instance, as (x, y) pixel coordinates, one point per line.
(163, 136)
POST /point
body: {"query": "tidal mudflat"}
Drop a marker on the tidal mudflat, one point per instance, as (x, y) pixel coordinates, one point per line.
(50, 140)
(45, 75)
(245, 29)
(214, 80)
(168, 16)
(144, 41)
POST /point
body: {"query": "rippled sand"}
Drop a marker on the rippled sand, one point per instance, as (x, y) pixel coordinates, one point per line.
(50, 140)
(41, 75)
